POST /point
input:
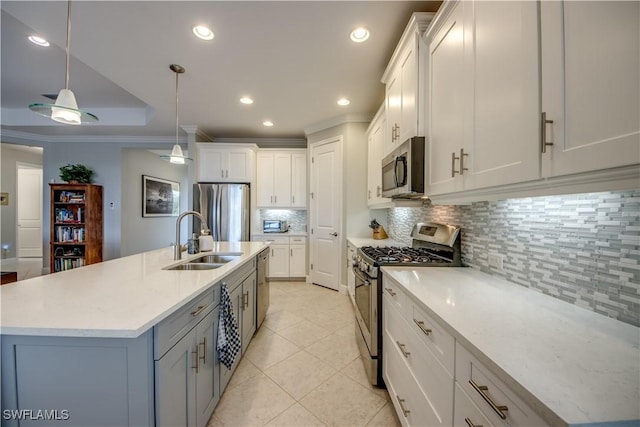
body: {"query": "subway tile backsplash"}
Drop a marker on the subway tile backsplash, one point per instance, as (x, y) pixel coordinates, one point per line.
(582, 248)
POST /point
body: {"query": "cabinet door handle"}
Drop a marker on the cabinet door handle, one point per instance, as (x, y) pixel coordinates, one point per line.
(275, 199)
(203, 357)
(227, 174)
(462, 168)
(222, 173)
(453, 165)
(481, 389)
(194, 365)
(405, 353)
(291, 252)
(293, 200)
(199, 310)
(378, 191)
(390, 291)
(245, 300)
(471, 424)
(404, 410)
(420, 324)
(369, 197)
(543, 132)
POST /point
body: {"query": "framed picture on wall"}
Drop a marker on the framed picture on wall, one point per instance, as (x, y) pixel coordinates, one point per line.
(160, 197)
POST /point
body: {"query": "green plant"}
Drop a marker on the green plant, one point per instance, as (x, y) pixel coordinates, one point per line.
(79, 173)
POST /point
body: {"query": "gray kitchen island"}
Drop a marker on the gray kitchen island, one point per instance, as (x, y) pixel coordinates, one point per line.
(124, 342)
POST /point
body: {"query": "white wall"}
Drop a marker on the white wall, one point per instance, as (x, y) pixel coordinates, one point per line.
(141, 234)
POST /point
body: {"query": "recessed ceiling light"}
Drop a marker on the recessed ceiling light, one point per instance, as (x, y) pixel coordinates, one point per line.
(38, 41)
(203, 32)
(359, 34)
(246, 100)
(267, 123)
(343, 101)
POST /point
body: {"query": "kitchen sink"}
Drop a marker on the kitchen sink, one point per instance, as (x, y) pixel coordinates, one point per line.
(207, 262)
(196, 266)
(216, 258)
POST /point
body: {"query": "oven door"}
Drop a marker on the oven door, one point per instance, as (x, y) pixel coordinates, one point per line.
(367, 309)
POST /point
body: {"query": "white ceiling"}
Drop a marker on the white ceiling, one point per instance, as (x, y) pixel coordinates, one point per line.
(293, 57)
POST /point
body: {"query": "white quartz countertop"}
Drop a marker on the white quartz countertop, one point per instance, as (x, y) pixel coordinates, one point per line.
(120, 298)
(572, 365)
(359, 242)
(286, 234)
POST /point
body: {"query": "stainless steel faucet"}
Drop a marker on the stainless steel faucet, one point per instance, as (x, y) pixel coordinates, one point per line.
(177, 249)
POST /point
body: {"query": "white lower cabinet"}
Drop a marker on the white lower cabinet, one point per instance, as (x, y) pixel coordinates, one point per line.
(420, 387)
(288, 256)
(420, 359)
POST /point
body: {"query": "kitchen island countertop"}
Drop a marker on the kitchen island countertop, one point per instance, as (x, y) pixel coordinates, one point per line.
(575, 366)
(120, 298)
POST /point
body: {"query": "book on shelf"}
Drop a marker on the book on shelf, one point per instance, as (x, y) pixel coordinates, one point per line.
(69, 234)
(71, 197)
(63, 264)
(69, 215)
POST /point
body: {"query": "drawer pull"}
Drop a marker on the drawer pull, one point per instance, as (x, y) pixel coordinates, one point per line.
(245, 300)
(405, 353)
(199, 310)
(481, 389)
(470, 423)
(405, 411)
(420, 324)
(390, 291)
(204, 351)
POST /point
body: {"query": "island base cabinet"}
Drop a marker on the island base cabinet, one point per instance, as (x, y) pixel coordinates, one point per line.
(64, 381)
(187, 387)
(466, 413)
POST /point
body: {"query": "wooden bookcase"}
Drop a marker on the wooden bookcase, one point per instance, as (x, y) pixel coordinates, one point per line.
(76, 226)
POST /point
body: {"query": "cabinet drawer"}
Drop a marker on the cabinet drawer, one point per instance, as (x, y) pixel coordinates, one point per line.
(168, 332)
(491, 389)
(297, 240)
(411, 405)
(439, 341)
(275, 239)
(432, 378)
(394, 292)
(466, 413)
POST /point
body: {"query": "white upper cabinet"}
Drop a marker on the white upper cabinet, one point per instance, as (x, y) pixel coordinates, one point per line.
(281, 179)
(225, 163)
(590, 85)
(375, 150)
(402, 83)
(482, 118)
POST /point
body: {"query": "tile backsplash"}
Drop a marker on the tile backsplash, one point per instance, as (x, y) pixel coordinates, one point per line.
(297, 219)
(582, 248)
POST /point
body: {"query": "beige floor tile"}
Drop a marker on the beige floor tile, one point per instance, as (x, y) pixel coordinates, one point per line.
(386, 417)
(252, 403)
(270, 351)
(335, 350)
(304, 334)
(355, 371)
(295, 416)
(347, 330)
(340, 401)
(281, 319)
(243, 372)
(300, 374)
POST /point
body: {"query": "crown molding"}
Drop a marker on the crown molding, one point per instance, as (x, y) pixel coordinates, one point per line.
(19, 137)
(336, 121)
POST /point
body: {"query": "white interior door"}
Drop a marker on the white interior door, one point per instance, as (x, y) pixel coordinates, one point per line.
(29, 211)
(326, 213)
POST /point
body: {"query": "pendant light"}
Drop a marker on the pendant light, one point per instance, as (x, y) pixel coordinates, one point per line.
(65, 109)
(176, 156)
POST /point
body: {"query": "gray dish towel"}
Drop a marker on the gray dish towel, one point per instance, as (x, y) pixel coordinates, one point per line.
(228, 344)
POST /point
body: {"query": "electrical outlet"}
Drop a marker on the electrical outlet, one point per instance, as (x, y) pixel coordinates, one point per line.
(495, 261)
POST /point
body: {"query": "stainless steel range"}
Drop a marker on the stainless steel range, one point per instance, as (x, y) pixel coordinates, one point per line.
(433, 245)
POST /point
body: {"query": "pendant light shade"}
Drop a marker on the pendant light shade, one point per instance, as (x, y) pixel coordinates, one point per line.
(177, 156)
(65, 109)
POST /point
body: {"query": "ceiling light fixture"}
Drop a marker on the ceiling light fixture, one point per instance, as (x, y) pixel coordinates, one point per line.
(246, 100)
(203, 32)
(267, 123)
(359, 34)
(343, 101)
(65, 109)
(39, 41)
(177, 157)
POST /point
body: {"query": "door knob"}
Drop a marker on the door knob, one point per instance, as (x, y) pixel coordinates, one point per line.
(334, 234)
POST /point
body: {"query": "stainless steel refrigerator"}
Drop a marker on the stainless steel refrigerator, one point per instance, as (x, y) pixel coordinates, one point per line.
(226, 208)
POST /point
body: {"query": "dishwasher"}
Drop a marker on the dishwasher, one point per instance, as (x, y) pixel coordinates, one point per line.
(262, 304)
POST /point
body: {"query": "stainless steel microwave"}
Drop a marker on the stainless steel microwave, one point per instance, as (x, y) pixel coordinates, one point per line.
(274, 226)
(403, 170)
